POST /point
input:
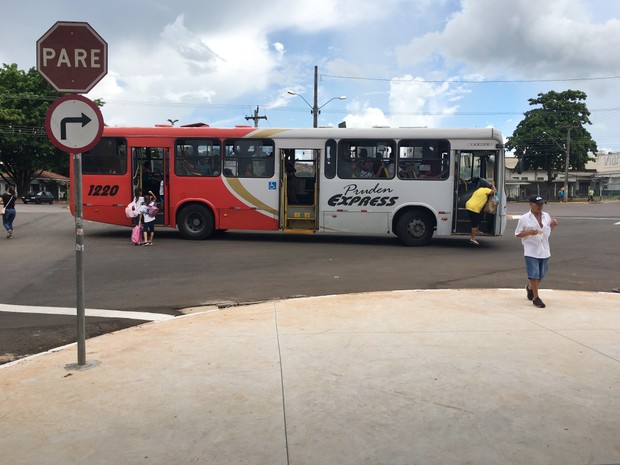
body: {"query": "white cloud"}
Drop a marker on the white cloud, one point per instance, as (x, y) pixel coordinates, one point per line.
(185, 66)
(437, 100)
(279, 49)
(412, 103)
(189, 46)
(365, 116)
(523, 38)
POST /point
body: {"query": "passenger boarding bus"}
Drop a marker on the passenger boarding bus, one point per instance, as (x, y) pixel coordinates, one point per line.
(412, 183)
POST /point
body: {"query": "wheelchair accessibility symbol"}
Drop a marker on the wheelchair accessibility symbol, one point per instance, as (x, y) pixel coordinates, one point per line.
(272, 185)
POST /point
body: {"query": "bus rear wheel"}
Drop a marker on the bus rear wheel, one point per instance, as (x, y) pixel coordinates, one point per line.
(196, 222)
(414, 228)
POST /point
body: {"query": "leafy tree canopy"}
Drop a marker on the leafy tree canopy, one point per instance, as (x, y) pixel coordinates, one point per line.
(540, 139)
(25, 149)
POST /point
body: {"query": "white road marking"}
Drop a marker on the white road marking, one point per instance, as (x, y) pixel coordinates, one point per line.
(89, 312)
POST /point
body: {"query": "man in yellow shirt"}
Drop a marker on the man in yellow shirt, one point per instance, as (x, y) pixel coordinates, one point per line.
(476, 203)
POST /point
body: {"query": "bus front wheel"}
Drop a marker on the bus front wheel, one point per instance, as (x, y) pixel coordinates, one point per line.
(196, 222)
(414, 228)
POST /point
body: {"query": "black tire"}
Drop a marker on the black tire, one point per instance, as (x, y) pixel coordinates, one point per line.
(414, 228)
(196, 222)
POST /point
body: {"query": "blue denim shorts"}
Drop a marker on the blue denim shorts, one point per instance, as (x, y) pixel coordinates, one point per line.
(536, 267)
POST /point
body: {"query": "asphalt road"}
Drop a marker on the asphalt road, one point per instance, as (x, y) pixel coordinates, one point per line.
(236, 268)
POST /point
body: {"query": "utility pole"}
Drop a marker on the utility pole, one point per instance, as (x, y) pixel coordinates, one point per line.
(572, 126)
(255, 118)
(315, 107)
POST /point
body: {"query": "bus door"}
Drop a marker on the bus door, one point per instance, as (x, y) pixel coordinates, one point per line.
(299, 192)
(471, 166)
(150, 173)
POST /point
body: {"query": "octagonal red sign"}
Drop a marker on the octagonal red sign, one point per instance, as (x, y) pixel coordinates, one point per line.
(72, 57)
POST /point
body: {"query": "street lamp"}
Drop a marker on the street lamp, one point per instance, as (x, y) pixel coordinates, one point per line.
(572, 126)
(315, 109)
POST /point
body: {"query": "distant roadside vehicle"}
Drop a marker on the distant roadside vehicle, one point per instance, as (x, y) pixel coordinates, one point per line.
(38, 198)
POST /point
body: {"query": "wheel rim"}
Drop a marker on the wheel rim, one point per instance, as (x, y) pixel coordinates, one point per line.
(416, 228)
(195, 222)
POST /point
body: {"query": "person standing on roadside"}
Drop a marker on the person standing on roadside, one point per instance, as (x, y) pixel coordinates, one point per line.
(534, 229)
(8, 202)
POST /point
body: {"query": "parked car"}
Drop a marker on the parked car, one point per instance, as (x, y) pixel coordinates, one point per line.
(28, 197)
(38, 198)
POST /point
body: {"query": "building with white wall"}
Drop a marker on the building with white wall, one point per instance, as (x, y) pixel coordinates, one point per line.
(607, 177)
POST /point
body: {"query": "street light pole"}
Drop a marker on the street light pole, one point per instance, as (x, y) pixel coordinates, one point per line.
(315, 109)
(566, 165)
(567, 156)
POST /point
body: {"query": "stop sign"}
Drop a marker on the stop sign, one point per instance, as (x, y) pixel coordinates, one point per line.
(72, 57)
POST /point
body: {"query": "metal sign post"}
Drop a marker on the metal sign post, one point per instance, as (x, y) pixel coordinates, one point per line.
(72, 57)
(75, 124)
(79, 258)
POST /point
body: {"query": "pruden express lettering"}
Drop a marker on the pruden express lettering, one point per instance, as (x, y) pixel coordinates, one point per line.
(353, 196)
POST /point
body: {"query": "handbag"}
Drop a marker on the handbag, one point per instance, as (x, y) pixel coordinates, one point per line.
(491, 205)
(136, 234)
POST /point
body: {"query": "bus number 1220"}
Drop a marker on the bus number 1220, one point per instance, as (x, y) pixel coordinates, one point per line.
(104, 191)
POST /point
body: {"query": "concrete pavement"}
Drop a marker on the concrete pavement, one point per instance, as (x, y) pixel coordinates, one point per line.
(475, 376)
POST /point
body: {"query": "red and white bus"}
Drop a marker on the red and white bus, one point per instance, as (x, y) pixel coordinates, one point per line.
(409, 182)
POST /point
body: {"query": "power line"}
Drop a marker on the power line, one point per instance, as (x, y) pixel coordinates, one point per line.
(229, 106)
(467, 81)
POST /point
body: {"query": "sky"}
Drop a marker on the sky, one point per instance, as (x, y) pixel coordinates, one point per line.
(400, 63)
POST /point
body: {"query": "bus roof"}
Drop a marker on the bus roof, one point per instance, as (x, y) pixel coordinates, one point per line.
(301, 133)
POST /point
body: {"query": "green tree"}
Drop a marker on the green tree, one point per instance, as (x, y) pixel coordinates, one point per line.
(540, 139)
(25, 149)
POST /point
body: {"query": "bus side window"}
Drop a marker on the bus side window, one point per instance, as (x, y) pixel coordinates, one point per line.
(109, 156)
(366, 158)
(424, 159)
(197, 157)
(249, 158)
